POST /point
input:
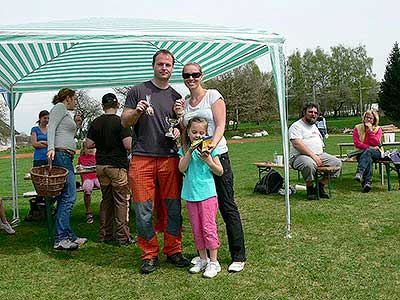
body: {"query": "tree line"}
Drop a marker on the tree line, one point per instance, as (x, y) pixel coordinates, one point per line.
(340, 80)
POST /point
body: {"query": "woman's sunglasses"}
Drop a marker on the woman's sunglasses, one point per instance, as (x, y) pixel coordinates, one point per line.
(194, 75)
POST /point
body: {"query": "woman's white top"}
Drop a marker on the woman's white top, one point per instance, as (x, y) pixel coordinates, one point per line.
(203, 110)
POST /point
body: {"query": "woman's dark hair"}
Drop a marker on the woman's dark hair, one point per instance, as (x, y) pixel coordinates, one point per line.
(42, 114)
(165, 52)
(62, 94)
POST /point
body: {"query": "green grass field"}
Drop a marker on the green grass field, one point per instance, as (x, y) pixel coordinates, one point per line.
(347, 247)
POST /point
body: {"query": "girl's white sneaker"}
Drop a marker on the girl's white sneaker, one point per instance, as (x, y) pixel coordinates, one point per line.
(195, 260)
(201, 265)
(213, 268)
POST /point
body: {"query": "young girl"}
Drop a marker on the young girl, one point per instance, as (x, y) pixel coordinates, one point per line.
(3, 220)
(87, 158)
(201, 196)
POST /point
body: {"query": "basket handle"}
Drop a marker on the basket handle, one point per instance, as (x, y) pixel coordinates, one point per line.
(50, 165)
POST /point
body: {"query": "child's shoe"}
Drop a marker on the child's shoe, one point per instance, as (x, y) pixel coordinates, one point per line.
(7, 228)
(213, 268)
(197, 258)
(201, 265)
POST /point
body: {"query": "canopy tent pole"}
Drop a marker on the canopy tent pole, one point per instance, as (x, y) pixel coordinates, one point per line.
(278, 66)
(12, 102)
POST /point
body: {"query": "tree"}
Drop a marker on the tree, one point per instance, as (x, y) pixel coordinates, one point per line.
(296, 81)
(89, 109)
(122, 92)
(249, 94)
(3, 109)
(4, 130)
(389, 94)
(338, 80)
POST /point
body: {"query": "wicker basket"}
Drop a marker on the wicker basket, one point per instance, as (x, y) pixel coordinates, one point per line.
(49, 185)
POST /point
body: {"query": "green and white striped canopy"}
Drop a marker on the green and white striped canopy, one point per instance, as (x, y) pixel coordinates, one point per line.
(107, 52)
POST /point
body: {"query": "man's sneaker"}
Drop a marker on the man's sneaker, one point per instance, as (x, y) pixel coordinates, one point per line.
(236, 266)
(195, 260)
(367, 187)
(201, 265)
(148, 265)
(178, 260)
(7, 228)
(80, 241)
(65, 245)
(358, 177)
(213, 268)
(128, 242)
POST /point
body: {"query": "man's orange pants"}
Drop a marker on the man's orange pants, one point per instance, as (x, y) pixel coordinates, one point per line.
(145, 172)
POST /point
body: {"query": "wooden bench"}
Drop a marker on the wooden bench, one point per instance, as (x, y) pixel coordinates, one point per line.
(265, 167)
(33, 194)
(49, 201)
(387, 164)
(323, 171)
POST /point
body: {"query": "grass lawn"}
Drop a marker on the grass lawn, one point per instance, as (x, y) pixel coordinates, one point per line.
(347, 247)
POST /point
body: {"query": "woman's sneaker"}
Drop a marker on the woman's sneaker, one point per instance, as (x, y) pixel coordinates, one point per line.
(7, 228)
(213, 268)
(236, 266)
(367, 187)
(200, 266)
(65, 245)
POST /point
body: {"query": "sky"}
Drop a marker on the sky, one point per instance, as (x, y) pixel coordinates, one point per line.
(305, 24)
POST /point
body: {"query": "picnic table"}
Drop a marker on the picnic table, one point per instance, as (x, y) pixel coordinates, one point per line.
(79, 170)
(344, 145)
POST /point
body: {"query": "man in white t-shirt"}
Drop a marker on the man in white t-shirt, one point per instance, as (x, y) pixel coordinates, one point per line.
(307, 151)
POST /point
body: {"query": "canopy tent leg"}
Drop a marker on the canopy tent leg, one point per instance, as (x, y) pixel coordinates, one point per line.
(12, 99)
(278, 66)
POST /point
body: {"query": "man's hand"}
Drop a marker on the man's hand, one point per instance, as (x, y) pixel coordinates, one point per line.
(176, 133)
(317, 159)
(179, 107)
(142, 106)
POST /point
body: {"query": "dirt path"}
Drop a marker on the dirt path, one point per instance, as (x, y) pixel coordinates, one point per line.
(246, 140)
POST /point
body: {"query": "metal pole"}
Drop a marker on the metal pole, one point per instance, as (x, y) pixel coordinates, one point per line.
(12, 99)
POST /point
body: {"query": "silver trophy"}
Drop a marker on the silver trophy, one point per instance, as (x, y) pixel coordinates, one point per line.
(150, 109)
(172, 122)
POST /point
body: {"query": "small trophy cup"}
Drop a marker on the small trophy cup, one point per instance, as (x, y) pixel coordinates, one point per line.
(149, 110)
(172, 122)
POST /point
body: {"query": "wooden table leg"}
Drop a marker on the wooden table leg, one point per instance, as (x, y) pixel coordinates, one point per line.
(49, 218)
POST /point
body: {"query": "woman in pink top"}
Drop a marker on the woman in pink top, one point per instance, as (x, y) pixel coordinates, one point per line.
(89, 180)
(367, 136)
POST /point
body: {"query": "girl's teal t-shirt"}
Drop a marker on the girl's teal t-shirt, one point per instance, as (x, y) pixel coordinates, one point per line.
(198, 183)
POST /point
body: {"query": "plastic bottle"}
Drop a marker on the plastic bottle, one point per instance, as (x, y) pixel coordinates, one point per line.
(275, 161)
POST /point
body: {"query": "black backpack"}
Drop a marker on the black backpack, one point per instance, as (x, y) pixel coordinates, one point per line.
(269, 183)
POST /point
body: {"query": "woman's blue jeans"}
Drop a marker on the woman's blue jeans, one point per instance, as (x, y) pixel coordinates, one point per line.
(66, 200)
(365, 163)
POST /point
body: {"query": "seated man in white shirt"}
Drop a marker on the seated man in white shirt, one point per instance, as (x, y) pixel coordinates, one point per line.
(307, 151)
